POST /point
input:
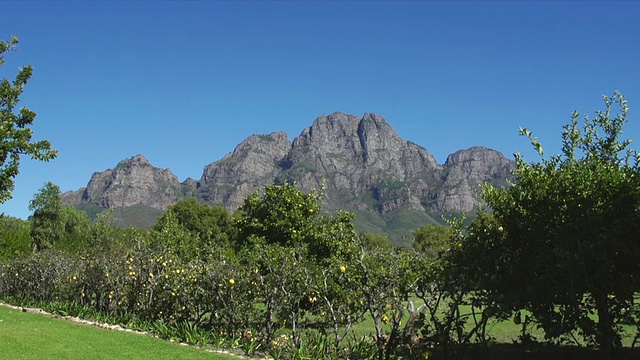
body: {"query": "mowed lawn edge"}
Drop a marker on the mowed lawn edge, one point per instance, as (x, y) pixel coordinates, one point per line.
(27, 335)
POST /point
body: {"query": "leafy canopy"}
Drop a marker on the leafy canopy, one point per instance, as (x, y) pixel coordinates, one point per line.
(54, 225)
(563, 240)
(211, 224)
(15, 133)
(47, 219)
(284, 215)
(431, 239)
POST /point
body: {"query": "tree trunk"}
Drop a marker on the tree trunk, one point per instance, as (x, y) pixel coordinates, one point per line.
(605, 332)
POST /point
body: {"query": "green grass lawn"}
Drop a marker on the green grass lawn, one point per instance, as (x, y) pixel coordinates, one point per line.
(38, 336)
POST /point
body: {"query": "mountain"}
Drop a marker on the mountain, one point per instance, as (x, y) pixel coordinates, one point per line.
(392, 185)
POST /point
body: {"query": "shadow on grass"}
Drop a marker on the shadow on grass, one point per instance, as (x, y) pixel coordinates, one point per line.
(517, 352)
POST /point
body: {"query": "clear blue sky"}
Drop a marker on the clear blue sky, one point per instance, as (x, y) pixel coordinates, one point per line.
(184, 82)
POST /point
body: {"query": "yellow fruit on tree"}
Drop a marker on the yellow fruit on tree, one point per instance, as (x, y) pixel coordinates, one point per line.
(343, 268)
(231, 281)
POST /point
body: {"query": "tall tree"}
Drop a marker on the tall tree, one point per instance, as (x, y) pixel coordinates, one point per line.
(48, 223)
(15, 133)
(564, 242)
(76, 228)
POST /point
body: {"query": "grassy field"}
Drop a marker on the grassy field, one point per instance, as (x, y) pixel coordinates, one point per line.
(38, 336)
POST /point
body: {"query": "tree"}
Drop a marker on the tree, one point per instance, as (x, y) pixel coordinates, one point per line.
(47, 220)
(76, 229)
(15, 133)
(280, 214)
(563, 242)
(15, 239)
(372, 241)
(431, 239)
(284, 215)
(170, 235)
(212, 224)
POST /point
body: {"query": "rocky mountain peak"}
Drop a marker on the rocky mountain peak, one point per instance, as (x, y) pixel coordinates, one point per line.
(336, 132)
(363, 165)
(133, 181)
(138, 160)
(480, 163)
(465, 171)
(254, 161)
(376, 138)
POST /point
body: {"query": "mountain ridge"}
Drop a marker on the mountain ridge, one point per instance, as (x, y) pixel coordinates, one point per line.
(361, 163)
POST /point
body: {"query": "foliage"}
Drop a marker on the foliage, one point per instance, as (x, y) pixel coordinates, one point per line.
(212, 225)
(284, 215)
(15, 237)
(15, 133)
(170, 235)
(562, 242)
(55, 225)
(431, 239)
(386, 280)
(281, 214)
(445, 288)
(281, 280)
(47, 219)
(108, 238)
(77, 230)
(374, 241)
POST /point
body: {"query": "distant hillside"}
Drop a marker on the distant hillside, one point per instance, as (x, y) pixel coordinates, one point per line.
(392, 185)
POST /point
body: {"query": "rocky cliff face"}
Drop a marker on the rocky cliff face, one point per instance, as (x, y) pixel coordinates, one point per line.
(464, 172)
(133, 182)
(362, 163)
(255, 161)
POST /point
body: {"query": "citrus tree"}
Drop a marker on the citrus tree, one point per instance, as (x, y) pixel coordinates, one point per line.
(563, 241)
(386, 279)
(284, 215)
(299, 258)
(15, 133)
